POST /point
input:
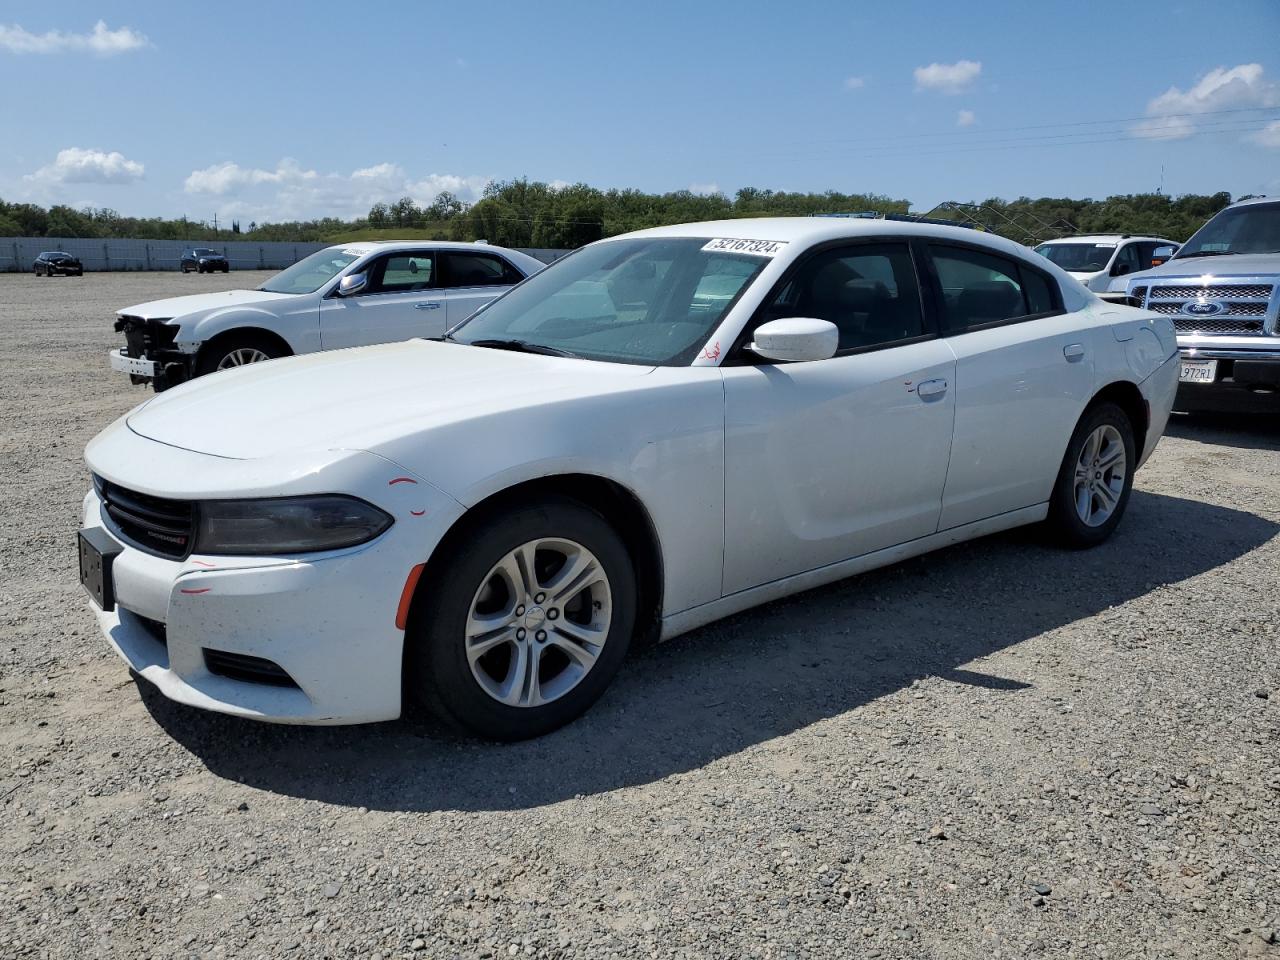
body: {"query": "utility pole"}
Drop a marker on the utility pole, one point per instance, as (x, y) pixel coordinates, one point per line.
(215, 226)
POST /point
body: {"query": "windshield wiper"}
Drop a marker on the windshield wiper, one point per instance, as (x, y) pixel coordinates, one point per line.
(521, 346)
(1208, 253)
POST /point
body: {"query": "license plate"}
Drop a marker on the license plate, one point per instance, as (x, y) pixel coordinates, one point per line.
(97, 551)
(1198, 371)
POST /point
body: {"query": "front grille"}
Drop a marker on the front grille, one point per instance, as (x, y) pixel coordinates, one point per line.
(1251, 290)
(1239, 328)
(1137, 297)
(159, 526)
(241, 666)
(144, 338)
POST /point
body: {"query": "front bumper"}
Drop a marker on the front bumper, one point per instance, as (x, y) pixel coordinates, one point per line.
(1246, 380)
(134, 366)
(328, 621)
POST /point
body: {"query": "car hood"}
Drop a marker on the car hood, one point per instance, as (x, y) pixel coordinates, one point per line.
(359, 398)
(1239, 265)
(176, 307)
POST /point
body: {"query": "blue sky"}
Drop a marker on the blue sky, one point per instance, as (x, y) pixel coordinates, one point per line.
(270, 110)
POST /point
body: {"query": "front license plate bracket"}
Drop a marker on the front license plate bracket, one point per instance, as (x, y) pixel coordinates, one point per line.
(97, 553)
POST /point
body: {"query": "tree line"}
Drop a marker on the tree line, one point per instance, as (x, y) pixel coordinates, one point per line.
(527, 213)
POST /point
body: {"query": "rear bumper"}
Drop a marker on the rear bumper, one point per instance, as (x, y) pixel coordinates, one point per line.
(1245, 381)
(1158, 390)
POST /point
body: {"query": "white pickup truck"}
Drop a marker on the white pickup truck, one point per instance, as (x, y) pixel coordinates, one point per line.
(1222, 290)
(349, 295)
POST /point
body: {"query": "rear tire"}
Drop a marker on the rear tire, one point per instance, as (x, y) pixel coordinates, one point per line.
(1095, 479)
(508, 655)
(236, 351)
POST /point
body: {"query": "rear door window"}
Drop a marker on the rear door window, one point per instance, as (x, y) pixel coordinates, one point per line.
(477, 270)
(980, 289)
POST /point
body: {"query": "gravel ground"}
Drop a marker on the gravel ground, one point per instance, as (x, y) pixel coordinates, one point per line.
(1000, 750)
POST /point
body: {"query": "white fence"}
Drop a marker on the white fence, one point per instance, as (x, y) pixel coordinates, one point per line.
(17, 254)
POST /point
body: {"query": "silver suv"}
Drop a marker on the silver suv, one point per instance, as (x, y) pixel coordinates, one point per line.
(1222, 290)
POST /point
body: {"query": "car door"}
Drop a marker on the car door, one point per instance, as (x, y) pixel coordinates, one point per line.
(400, 301)
(1024, 371)
(1128, 260)
(836, 458)
(469, 280)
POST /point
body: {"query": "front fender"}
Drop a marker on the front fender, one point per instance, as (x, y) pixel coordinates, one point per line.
(299, 328)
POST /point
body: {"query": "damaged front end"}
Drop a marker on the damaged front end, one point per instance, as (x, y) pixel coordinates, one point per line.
(149, 353)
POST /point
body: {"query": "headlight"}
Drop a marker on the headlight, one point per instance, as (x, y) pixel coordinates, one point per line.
(287, 524)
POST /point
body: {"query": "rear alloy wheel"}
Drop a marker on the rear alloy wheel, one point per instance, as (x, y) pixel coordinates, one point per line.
(1096, 477)
(523, 630)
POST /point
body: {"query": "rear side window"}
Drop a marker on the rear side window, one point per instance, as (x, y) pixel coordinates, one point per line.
(868, 291)
(981, 289)
(478, 270)
(1039, 294)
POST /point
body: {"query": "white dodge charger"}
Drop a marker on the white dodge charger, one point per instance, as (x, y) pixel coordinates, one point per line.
(659, 430)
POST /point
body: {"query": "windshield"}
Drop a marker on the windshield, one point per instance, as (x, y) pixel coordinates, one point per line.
(206, 252)
(311, 273)
(1078, 257)
(646, 301)
(1251, 229)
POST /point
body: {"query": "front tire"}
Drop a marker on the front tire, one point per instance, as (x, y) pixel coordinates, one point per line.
(1095, 479)
(236, 351)
(523, 628)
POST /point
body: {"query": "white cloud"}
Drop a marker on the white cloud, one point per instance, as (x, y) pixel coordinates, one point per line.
(1172, 114)
(948, 78)
(854, 83)
(704, 189)
(292, 192)
(102, 41)
(78, 165)
(966, 118)
(1269, 136)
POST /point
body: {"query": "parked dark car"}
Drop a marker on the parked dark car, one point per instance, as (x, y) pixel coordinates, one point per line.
(53, 262)
(204, 260)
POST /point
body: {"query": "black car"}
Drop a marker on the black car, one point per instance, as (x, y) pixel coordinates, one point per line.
(204, 260)
(55, 261)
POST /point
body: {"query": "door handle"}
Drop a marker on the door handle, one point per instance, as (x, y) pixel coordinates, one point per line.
(931, 388)
(1074, 352)
(432, 305)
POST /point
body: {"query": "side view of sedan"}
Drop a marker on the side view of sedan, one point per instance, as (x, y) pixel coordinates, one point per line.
(657, 431)
(54, 262)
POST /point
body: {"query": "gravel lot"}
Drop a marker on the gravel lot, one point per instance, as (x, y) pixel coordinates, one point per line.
(1001, 750)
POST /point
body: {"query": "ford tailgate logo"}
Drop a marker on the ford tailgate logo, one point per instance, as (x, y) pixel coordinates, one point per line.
(1203, 308)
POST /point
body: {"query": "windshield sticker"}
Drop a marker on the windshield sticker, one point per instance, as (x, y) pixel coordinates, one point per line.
(756, 248)
(1105, 246)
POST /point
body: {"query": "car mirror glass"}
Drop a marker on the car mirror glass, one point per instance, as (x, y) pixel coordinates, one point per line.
(352, 284)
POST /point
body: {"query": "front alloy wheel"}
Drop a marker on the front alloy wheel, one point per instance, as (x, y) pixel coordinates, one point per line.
(241, 356)
(539, 622)
(522, 621)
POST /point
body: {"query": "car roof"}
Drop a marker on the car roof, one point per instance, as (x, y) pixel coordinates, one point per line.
(1252, 201)
(361, 247)
(1107, 238)
(811, 230)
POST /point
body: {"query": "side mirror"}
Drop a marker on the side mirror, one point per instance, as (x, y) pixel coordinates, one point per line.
(352, 284)
(796, 339)
(1160, 254)
(1120, 269)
